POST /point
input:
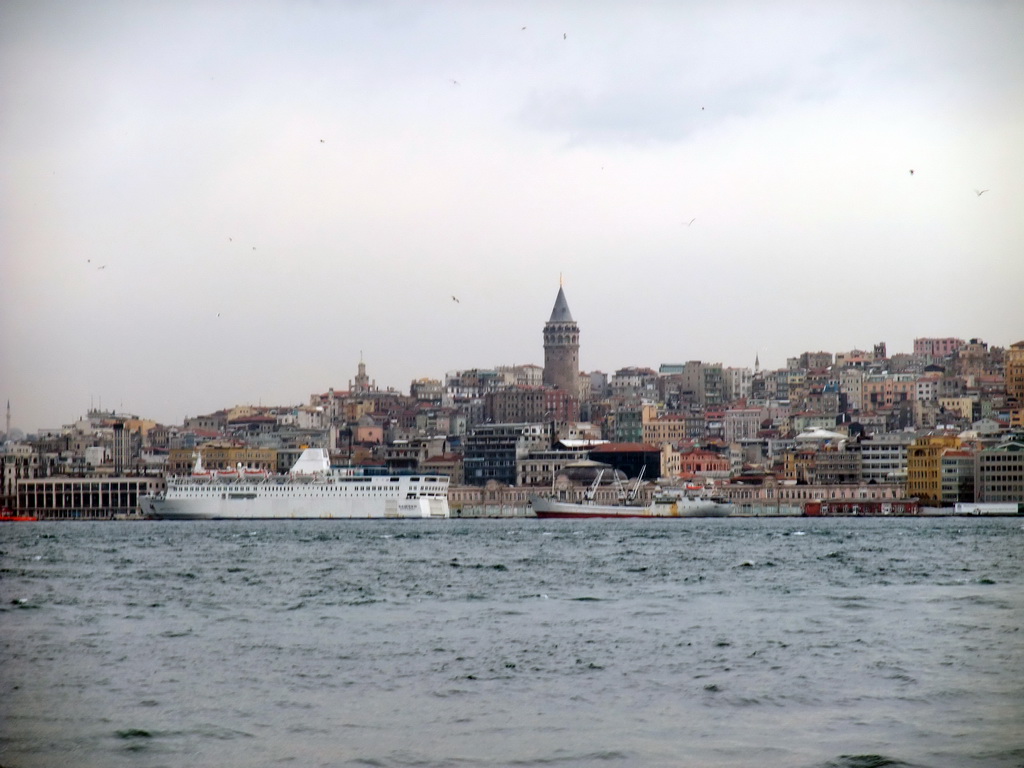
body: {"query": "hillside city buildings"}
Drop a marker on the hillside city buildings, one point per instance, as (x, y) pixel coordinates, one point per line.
(853, 431)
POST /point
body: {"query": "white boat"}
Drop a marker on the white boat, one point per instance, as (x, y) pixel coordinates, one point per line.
(666, 503)
(312, 489)
(659, 507)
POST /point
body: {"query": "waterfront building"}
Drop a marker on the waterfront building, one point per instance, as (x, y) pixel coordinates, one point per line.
(766, 495)
(1014, 375)
(957, 468)
(1000, 472)
(924, 466)
(884, 456)
(17, 462)
(489, 499)
(834, 465)
(84, 498)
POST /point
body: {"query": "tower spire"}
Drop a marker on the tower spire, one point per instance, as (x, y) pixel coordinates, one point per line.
(561, 347)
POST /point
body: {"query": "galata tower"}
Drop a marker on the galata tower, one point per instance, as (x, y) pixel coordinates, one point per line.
(562, 348)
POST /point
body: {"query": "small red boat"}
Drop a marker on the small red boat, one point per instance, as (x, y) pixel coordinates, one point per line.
(7, 516)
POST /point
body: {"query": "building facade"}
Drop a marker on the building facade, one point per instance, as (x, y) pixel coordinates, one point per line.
(1000, 472)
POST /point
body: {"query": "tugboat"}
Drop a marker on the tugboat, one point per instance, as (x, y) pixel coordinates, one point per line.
(7, 515)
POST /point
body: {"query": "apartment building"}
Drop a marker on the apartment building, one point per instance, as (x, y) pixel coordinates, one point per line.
(924, 466)
(936, 348)
(884, 456)
(1000, 472)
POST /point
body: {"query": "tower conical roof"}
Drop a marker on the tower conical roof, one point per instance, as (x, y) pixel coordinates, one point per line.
(560, 313)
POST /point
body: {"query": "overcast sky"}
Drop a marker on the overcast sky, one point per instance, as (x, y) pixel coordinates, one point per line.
(205, 204)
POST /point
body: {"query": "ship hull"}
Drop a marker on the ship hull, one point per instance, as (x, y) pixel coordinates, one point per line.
(349, 498)
(550, 508)
(312, 490)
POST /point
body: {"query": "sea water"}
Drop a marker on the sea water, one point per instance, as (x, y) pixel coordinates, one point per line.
(841, 643)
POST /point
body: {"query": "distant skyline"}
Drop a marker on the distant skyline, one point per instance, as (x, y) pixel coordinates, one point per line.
(216, 203)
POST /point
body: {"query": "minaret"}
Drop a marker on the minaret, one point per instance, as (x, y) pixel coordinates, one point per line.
(7, 432)
(562, 348)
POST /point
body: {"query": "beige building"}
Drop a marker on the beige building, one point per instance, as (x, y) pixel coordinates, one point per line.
(962, 406)
(887, 390)
(668, 429)
(220, 456)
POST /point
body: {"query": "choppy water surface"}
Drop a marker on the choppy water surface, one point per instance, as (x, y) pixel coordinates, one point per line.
(819, 643)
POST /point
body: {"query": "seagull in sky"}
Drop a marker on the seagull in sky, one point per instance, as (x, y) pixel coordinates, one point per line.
(563, 35)
(980, 192)
(455, 82)
(690, 222)
(911, 171)
(102, 267)
(456, 300)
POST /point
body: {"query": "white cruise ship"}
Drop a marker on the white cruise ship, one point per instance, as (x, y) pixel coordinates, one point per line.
(310, 490)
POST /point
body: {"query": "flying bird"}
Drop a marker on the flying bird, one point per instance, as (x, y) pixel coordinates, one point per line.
(455, 82)
(456, 300)
(522, 29)
(102, 267)
(980, 192)
(321, 141)
(563, 35)
(690, 222)
(911, 171)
